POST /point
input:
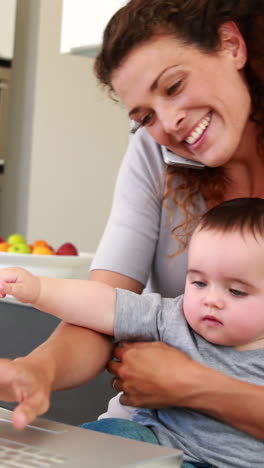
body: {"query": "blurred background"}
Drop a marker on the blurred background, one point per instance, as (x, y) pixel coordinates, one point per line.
(61, 137)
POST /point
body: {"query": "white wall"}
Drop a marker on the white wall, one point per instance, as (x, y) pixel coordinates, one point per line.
(67, 137)
(83, 22)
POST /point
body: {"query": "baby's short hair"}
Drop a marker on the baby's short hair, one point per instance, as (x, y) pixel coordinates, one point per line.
(242, 214)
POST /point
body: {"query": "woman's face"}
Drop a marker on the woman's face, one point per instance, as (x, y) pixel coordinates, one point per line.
(196, 104)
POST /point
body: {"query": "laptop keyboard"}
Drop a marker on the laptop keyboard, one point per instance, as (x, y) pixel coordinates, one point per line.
(17, 455)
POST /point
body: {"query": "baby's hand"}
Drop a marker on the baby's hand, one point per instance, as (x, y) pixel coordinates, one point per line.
(19, 283)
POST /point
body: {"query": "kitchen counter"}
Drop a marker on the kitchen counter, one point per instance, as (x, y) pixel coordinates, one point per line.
(22, 329)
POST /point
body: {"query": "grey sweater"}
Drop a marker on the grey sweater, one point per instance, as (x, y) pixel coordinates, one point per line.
(137, 241)
(149, 317)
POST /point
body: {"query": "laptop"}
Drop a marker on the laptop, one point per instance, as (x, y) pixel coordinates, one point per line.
(51, 444)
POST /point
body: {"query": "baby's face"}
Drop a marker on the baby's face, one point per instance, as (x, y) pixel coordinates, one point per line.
(224, 293)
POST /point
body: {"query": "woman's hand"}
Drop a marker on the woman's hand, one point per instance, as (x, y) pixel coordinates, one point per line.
(145, 373)
(26, 384)
(155, 375)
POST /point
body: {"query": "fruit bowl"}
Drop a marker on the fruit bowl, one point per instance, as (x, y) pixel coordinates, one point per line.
(56, 266)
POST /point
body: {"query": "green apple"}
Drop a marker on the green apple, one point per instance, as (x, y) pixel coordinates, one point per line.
(16, 239)
(19, 248)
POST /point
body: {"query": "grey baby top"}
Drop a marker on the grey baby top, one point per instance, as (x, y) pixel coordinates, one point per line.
(149, 317)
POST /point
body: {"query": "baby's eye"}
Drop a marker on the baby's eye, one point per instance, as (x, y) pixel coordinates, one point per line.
(237, 293)
(199, 284)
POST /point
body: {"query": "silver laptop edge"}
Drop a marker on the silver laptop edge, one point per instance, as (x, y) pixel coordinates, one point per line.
(74, 447)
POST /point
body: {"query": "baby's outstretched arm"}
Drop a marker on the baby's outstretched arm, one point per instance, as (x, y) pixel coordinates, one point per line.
(85, 303)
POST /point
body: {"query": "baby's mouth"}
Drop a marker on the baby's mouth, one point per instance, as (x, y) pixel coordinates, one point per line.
(211, 320)
(199, 130)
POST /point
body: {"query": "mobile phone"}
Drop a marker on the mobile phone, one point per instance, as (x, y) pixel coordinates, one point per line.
(173, 159)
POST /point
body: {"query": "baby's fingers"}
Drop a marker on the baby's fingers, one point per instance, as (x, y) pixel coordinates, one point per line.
(11, 274)
(3, 291)
(18, 283)
(17, 290)
(7, 277)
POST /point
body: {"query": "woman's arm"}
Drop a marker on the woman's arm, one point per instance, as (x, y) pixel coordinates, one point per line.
(70, 357)
(155, 375)
(116, 280)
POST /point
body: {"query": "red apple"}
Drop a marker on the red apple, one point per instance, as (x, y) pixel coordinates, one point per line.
(67, 249)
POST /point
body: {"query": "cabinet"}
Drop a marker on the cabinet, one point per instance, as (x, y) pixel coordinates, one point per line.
(7, 28)
(83, 23)
(5, 74)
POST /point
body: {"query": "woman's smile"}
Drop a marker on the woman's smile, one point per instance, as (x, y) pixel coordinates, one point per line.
(197, 134)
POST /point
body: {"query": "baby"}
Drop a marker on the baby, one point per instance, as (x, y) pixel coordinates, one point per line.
(219, 322)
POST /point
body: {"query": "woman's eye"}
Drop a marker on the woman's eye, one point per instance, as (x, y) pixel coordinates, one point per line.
(199, 284)
(172, 89)
(146, 120)
(237, 293)
(142, 123)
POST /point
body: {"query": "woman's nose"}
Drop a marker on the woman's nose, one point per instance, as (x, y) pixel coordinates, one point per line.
(171, 118)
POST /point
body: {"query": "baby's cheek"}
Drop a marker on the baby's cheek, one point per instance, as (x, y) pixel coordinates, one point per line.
(190, 310)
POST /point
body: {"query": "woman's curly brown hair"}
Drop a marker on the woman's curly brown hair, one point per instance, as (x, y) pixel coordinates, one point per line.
(195, 22)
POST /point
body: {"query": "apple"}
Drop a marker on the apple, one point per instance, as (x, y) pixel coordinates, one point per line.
(1, 239)
(16, 239)
(19, 248)
(67, 249)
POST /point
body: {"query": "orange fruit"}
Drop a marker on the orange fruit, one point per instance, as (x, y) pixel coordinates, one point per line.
(42, 250)
(4, 246)
(40, 243)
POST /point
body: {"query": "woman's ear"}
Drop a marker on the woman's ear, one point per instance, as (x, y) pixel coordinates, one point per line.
(232, 42)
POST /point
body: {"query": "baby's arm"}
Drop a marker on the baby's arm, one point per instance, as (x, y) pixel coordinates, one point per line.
(86, 303)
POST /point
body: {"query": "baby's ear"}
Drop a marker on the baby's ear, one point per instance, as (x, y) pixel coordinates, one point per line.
(232, 42)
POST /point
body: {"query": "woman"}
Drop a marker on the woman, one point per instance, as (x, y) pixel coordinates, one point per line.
(191, 72)
(196, 94)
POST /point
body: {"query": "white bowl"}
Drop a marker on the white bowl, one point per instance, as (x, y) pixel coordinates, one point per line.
(56, 266)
